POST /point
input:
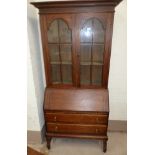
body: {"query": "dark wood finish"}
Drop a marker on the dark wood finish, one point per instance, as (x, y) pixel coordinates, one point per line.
(81, 19)
(76, 118)
(93, 100)
(31, 151)
(48, 140)
(62, 135)
(77, 128)
(45, 22)
(75, 21)
(107, 50)
(77, 109)
(104, 145)
(45, 47)
(76, 3)
(75, 26)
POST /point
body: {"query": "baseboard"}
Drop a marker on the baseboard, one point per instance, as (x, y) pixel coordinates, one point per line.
(36, 136)
(117, 126)
(39, 136)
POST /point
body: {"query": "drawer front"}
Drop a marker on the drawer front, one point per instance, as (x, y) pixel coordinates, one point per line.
(76, 118)
(77, 129)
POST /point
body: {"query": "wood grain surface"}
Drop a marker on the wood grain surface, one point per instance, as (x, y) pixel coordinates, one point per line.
(77, 100)
(77, 129)
(76, 118)
(79, 109)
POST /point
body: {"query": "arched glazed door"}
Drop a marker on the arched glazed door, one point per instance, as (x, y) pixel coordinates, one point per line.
(60, 52)
(92, 39)
(76, 50)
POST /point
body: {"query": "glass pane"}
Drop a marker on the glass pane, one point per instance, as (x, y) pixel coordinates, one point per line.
(60, 51)
(91, 52)
(96, 75)
(86, 32)
(54, 53)
(67, 74)
(98, 31)
(85, 74)
(66, 53)
(98, 53)
(85, 53)
(56, 78)
(53, 32)
(65, 33)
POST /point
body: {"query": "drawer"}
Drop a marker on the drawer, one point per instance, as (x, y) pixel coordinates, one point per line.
(76, 118)
(76, 129)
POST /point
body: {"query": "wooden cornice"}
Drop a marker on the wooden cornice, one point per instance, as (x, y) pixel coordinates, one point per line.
(75, 3)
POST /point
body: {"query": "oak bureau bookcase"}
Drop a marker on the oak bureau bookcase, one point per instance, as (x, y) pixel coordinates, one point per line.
(76, 40)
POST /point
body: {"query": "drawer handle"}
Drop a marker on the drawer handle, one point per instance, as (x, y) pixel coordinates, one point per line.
(96, 130)
(56, 128)
(55, 118)
(97, 119)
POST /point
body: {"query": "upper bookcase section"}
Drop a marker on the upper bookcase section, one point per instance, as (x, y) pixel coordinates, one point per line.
(76, 6)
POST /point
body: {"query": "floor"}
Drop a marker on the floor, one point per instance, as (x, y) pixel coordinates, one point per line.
(117, 145)
(31, 151)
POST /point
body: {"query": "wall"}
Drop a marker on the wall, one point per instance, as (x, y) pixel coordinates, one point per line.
(118, 65)
(32, 113)
(117, 77)
(37, 67)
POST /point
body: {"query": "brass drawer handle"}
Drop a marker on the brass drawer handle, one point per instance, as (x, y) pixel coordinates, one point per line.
(55, 118)
(96, 130)
(56, 128)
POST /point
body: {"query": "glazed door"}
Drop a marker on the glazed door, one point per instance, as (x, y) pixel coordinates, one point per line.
(60, 49)
(91, 48)
(77, 49)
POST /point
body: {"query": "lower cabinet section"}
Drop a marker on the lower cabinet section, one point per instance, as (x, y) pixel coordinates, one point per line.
(77, 129)
(76, 113)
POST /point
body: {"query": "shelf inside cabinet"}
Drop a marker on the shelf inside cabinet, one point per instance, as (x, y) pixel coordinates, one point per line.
(93, 63)
(59, 43)
(85, 63)
(97, 63)
(91, 43)
(62, 63)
